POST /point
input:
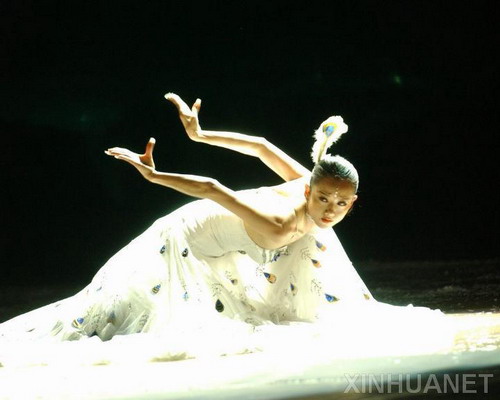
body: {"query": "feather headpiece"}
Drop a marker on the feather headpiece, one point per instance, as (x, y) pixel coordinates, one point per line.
(328, 133)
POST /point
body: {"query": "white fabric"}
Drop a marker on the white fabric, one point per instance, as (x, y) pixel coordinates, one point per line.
(194, 284)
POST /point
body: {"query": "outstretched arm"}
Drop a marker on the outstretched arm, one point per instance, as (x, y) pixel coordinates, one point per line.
(203, 187)
(285, 166)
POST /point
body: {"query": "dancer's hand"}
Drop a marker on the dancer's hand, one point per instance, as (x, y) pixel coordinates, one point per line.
(144, 163)
(188, 116)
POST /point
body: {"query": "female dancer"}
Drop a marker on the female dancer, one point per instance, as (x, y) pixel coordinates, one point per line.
(322, 200)
(234, 261)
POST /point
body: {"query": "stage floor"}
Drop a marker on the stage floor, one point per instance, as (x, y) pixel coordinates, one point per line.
(467, 292)
(473, 367)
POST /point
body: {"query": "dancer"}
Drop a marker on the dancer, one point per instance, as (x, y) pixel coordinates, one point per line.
(233, 260)
(318, 200)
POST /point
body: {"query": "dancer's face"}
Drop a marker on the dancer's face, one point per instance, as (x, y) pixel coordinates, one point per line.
(329, 200)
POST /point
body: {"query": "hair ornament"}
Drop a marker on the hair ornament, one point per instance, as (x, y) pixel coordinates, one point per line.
(328, 129)
(328, 133)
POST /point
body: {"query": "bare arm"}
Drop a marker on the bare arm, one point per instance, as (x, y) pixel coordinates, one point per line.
(208, 188)
(277, 160)
(203, 187)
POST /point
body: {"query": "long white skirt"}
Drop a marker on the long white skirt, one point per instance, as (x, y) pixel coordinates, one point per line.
(195, 285)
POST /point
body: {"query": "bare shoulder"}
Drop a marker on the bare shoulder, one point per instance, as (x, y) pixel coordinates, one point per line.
(283, 203)
(292, 189)
(277, 196)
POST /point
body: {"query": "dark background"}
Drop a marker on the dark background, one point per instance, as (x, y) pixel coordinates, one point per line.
(416, 81)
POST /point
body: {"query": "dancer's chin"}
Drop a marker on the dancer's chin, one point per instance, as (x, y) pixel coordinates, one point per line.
(324, 223)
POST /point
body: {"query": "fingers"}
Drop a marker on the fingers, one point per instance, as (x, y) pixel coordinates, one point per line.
(123, 157)
(182, 107)
(118, 156)
(114, 151)
(119, 151)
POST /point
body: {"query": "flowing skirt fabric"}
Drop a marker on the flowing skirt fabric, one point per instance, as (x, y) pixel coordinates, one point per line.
(194, 284)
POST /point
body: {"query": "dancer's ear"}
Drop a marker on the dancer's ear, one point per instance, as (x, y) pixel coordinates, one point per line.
(307, 191)
(352, 204)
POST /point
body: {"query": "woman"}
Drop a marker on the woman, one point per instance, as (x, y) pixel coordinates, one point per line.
(232, 264)
(301, 207)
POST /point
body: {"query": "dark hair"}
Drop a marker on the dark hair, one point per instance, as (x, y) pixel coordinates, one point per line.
(335, 167)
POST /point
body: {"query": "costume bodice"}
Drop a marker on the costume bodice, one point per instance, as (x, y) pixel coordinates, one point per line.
(212, 231)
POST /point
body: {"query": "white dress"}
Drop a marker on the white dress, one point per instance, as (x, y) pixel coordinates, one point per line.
(195, 283)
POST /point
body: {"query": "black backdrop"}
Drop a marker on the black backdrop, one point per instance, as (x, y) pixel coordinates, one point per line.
(416, 81)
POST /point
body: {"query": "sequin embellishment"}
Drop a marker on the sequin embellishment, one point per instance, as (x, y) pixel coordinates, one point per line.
(111, 318)
(271, 278)
(316, 263)
(163, 248)
(77, 322)
(156, 289)
(185, 252)
(219, 306)
(320, 246)
(293, 288)
(330, 298)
